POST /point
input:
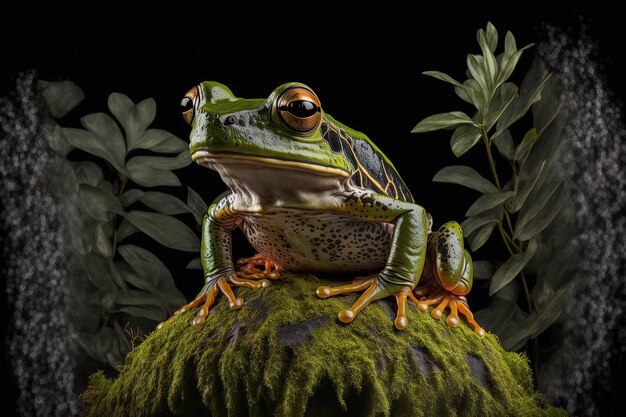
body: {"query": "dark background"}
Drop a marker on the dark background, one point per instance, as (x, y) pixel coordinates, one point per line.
(365, 67)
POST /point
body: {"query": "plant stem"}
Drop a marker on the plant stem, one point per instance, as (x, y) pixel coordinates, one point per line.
(492, 163)
(123, 182)
(526, 293)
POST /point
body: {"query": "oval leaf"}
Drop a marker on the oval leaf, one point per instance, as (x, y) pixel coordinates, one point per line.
(528, 178)
(483, 270)
(164, 203)
(131, 196)
(536, 202)
(158, 140)
(478, 238)
(162, 162)
(88, 172)
(513, 266)
(145, 263)
(165, 229)
(443, 77)
(538, 223)
(194, 264)
(148, 176)
(471, 224)
(466, 176)
(61, 96)
(504, 144)
(463, 139)
(141, 116)
(105, 128)
(88, 142)
(101, 238)
(126, 229)
(442, 121)
(99, 204)
(487, 201)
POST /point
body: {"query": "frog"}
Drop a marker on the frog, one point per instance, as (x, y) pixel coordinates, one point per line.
(312, 195)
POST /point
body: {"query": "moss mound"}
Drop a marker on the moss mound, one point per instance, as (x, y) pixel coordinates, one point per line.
(286, 354)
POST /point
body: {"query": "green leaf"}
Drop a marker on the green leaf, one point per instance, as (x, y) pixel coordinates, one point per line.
(442, 121)
(504, 144)
(491, 36)
(165, 229)
(443, 77)
(478, 238)
(60, 96)
(510, 46)
(88, 142)
(535, 203)
(163, 162)
(507, 93)
(471, 224)
(527, 179)
(105, 128)
(164, 203)
(476, 67)
(487, 201)
(466, 176)
(145, 263)
(489, 60)
(158, 140)
(475, 94)
(511, 268)
(126, 229)
(131, 196)
(149, 312)
(101, 238)
(88, 172)
(483, 270)
(531, 137)
(57, 141)
(194, 264)
(197, 205)
(538, 223)
(502, 308)
(463, 139)
(148, 176)
(99, 204)
(529, 94)
(134, 118)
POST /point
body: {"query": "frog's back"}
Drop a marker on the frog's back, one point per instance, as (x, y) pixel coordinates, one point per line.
(372, 169)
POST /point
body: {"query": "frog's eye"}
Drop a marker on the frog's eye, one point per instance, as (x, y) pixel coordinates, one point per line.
(298, 109)
(187, 105)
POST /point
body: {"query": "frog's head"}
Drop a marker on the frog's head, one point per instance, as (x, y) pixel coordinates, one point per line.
(283, 131)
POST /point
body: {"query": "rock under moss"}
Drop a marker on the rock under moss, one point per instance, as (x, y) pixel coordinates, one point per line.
(286, 354)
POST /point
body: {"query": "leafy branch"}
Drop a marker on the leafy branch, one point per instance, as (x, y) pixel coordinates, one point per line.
(523, 207)
(119, 282)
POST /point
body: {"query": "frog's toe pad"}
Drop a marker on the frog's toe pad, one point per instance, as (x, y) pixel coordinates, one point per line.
(456, 304)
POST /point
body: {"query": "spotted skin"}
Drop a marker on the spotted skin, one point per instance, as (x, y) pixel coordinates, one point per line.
(301, 241)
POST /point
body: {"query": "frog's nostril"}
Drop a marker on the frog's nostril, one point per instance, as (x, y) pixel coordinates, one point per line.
(230, 120)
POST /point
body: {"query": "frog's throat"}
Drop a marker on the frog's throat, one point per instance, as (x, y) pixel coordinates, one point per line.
(206, 158)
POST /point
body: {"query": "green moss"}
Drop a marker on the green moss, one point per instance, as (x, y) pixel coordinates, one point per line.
(286, 354)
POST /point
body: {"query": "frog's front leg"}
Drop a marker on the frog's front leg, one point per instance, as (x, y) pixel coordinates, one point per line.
(216, 258)
(448, 277)
(404, 263)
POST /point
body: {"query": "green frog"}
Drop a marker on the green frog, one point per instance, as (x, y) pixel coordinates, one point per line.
(312, 195)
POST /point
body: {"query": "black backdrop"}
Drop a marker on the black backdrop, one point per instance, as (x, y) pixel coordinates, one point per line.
(365, 67)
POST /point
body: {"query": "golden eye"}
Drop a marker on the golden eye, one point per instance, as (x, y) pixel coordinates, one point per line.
(298, 109)
(187, 105)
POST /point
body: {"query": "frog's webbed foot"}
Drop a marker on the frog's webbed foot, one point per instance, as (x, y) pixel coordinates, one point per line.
(210, 291)
(249, 268)
(447, 300)
(372, 288)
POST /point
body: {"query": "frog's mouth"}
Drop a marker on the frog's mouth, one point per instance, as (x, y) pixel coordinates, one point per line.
(208, 158)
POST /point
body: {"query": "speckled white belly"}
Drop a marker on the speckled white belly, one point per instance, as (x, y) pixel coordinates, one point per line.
(304, 241)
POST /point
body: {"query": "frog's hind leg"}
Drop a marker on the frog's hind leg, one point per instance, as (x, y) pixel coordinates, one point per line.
(454, 272)
(249, 267)
(372, 288)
